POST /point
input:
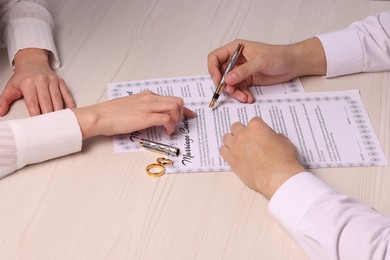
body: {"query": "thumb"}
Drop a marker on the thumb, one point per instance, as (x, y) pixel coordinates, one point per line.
(241, 72)
(6, 99)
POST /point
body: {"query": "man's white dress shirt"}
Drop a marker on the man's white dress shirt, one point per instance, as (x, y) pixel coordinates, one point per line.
(326, 224)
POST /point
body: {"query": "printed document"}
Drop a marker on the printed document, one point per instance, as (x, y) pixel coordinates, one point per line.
(329, 129)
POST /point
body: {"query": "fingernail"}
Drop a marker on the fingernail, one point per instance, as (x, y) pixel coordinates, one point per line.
(242, 98)
(193, 114)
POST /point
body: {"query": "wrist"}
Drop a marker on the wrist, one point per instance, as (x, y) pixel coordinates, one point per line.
(309, 57)
(88, 120)
(276, 180)
(29, 57)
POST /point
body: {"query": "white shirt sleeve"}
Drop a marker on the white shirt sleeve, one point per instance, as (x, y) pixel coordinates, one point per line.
(36, 139)
(7, 150)
(329, 225)
(362, 47)
(28, 24)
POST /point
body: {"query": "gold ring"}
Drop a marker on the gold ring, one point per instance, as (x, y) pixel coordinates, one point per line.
(155, 170)
(164, 161)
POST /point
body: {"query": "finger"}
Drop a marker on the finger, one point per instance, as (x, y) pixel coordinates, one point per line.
(189, 113)
(243, 94)
(227, 140)
(258, 121)
(164, 111)
(217, 58)
(4, 106)
(180, 104)
(236, 128)
(169, 128)
(261, 126)
(242, 72)
(214, 62)
(55, 95)
(44, 97)
(226, 154)
(176, 112)
(66, 95)
(171, 106)
(8, 96)
(174, 106)
(32, 103)
(167, 122)
(240, 92)
(154, 103)
(236, 93)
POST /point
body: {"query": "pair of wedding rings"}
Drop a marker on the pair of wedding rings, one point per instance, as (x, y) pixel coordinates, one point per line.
(158, 169)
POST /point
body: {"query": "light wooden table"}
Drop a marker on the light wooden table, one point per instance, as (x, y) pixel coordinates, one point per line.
(99, 205)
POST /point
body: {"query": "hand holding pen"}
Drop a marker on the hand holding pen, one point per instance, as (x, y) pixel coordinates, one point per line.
(230, 66)
(266, 64)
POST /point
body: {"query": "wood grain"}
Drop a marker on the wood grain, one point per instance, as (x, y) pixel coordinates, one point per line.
(101, 205)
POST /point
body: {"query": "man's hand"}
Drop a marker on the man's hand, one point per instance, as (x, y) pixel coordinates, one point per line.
(262, 159)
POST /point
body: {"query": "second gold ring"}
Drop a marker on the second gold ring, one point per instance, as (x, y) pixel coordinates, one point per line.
(155, 169)
(164, 161)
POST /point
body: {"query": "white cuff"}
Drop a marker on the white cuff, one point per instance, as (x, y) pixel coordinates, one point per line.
(47, 136)
(293, 199)
(344, 53)
(30, 33)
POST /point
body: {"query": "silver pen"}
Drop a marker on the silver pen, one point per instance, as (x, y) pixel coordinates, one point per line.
(159, 147)
(230, 66)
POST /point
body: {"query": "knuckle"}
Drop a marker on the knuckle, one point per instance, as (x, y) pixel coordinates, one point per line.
(28, 81)
(166, 119)
(240, 137)
(179, 102)
(148, 92)
(147, 95)
(42, 77)
(171, 105)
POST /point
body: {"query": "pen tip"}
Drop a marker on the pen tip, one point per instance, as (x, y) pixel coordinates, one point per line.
(212, 103)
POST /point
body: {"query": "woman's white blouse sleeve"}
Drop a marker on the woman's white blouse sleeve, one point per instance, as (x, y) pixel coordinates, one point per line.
(7, 150)
(27, 24)
(36, 139)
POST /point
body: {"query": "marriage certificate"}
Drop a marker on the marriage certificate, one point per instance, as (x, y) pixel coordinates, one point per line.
(329, 129)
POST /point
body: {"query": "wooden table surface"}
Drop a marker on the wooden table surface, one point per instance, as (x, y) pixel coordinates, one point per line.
(97, 204)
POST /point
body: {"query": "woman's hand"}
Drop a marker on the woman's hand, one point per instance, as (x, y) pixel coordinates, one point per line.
(132, 113)
(42, 89)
